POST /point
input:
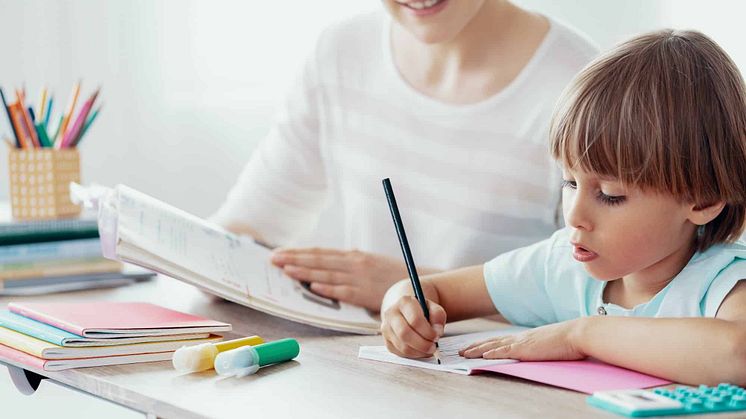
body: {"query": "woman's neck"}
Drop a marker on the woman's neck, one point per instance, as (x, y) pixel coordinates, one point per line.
(479, 62)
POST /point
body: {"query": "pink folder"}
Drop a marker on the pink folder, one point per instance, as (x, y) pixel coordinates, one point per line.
(586, 376)
(105, 319)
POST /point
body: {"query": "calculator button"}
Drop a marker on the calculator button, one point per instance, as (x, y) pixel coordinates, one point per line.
(694, 404)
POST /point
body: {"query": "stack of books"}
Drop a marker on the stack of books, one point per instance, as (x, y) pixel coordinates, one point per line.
(60, 336)
(58, 255)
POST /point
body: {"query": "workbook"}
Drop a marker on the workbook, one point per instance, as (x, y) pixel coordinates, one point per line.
(46, 350)
(144, 231)
(586, 376)
(22, 359)
(107, 319)
(61, 337)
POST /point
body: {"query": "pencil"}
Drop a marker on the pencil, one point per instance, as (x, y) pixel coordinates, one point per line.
(68, 115)
(408, 259)
(10, 118)
(42, 104)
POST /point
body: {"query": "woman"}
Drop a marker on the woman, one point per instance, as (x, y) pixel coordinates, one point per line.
(449, 99)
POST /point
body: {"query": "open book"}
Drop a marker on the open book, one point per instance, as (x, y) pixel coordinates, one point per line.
(144, 231)
(587, 375)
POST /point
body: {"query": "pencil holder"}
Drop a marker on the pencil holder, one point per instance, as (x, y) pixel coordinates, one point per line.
(39, 182)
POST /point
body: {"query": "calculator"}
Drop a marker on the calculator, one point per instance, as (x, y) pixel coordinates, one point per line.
(682, 400)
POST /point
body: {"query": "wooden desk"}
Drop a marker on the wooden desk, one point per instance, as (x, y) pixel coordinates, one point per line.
(326, 380)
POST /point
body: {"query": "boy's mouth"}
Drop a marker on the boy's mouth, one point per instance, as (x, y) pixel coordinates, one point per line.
(583, 254)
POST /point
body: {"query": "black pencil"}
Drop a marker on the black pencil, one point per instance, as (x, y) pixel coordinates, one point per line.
(408, 259)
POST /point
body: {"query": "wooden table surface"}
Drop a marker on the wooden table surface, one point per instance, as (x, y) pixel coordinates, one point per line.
(326, 380)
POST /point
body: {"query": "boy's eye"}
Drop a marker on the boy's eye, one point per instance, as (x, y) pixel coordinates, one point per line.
(610, 199)
(569, 184)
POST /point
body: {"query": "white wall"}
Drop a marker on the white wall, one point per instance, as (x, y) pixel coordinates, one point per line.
(189, 87)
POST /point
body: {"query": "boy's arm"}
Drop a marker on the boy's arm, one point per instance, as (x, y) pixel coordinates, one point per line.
(462, 293)
(690, 350)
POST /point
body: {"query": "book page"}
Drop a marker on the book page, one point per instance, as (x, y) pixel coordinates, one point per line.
(182, 242)
(451, 361)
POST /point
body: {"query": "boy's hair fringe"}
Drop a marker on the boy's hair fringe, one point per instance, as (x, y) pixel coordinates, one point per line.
(665, 111)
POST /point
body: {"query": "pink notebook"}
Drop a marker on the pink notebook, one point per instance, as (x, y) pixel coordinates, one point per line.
(587, 376)
(102, 319)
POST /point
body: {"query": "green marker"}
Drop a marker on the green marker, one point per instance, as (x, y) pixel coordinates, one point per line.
(246, 360)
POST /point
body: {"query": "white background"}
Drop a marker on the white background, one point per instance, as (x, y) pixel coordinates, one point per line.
(190, 87)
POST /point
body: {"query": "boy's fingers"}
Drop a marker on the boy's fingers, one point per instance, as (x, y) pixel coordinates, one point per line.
(413, 315)
(505, 351)
(399, 347)
(410, 337)
(437, 317)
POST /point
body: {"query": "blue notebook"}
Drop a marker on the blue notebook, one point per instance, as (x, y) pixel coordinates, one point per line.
(61, 337)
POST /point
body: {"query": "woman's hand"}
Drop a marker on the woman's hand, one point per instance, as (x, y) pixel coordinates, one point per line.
(406, 331)
(351, 276)
(554, 342)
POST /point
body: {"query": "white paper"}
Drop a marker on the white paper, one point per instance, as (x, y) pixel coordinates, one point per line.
(451, 361)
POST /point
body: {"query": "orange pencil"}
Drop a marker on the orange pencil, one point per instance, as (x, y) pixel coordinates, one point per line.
(27, 121)
(68, 115)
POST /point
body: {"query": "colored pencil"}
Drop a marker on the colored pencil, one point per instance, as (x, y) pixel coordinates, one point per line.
(85, 127)
(27, 121)
(48, 112)
(10, 118)
(42, 103)
(72, 134)
(68, 115)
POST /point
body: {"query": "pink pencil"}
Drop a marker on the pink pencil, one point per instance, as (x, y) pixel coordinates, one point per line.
(73, 133)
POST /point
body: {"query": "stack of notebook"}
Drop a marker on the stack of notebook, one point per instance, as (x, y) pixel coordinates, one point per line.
(59, 336)
(57, 255)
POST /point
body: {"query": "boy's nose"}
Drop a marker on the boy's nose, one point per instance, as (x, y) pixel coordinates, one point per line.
(577, 212)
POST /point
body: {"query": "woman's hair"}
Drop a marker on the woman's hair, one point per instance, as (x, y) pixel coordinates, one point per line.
(666, 112)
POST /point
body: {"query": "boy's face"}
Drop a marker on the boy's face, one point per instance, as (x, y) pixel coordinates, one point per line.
(618, 231)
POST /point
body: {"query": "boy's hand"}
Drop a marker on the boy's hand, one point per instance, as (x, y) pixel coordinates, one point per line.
(554, 342)
(351, 276)
(407, 332)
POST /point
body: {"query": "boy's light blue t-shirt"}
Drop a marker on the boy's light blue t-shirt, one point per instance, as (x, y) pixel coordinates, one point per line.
(542, 284)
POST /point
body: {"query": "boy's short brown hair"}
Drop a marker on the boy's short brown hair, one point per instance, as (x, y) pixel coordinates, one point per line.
(665, 111)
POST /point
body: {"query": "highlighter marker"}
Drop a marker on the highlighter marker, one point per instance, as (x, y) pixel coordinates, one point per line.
(247, 359)
(201, 357)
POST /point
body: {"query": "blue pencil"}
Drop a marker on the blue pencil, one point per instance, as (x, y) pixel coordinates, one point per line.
(48, 111)
(7, 112)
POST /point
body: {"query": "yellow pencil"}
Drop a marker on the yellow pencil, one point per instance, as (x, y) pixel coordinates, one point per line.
(42, 104)
(68, 115)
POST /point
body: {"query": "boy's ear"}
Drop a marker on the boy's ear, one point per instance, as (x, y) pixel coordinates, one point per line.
(703, 214)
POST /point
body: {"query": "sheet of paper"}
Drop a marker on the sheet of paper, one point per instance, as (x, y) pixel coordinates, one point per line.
(451, 361)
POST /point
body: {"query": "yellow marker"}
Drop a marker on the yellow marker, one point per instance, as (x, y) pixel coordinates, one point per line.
(202, 357)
